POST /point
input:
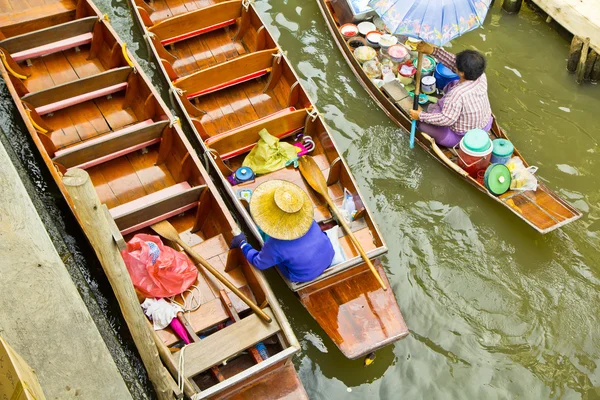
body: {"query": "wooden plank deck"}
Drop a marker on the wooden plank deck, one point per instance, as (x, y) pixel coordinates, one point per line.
(580, 17)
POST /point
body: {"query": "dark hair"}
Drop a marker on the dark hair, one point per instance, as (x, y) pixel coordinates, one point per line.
(471, 63)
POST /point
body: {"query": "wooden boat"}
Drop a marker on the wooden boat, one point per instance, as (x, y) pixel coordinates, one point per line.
(542, 209)
(87, 104)
(231, 80)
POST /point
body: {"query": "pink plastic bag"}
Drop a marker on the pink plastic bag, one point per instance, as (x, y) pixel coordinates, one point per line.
(157, 270)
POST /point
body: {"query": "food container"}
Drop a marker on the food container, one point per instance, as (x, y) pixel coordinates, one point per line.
(398, 53)
(412, 43)
(475, 151)
(502, 151)
(387, 40)
(364, 54)
(428, 84)
(428, 65)
(379, 25)
(423, 99)
(349, 31)
(373, 69)
(357, 42)
(388, 77)
(497, 179)
(366, 27)
(407, 70)
(444, 75)
(373, 39)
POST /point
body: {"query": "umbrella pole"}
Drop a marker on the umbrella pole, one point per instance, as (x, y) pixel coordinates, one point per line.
(413, 127)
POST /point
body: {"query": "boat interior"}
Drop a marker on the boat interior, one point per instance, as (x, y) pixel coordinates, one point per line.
(88, 106)
(541, 208)
(232, 80)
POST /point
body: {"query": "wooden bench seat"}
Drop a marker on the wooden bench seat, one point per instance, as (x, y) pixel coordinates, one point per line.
(197, 22)
(227, 342)
(55, 47)
(227, 74)
(155, 207)
(110, 146)
(73, 93)
(50, 40)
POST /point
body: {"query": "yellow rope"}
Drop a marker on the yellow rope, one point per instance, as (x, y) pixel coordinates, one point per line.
(106, 18)
(126, 55)
(36, 126)
(9, 69)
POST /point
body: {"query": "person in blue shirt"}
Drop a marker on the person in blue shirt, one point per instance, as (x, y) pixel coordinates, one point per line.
(296, 244)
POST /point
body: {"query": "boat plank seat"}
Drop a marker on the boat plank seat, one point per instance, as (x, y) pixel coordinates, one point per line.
(227, 74)
(50, 40)
(251, 124)
(156, 207)
(227, 342)
(198, 22)
(110, 146)
(41, 16)
(77, 92)
(240, 141)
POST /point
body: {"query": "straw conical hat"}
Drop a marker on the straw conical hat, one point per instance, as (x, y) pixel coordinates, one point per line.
(281, 209)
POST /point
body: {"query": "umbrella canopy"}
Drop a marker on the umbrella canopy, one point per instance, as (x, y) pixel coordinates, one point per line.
(433, 21)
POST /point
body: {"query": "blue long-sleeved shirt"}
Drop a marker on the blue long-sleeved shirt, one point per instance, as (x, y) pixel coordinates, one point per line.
(300, 260)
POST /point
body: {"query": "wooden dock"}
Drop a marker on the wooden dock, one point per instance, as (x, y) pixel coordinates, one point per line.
(582, 19)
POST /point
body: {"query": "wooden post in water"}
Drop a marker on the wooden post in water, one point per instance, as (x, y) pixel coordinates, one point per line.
(592, 60)
(574, 53)
(580, 71)
(512, 6)
(97, 229)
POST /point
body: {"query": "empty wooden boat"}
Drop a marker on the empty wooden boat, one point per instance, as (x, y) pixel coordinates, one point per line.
(231, 80)
(542, 209)
(88, 105)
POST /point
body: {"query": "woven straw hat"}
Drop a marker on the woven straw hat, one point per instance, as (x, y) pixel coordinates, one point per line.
(281, 209)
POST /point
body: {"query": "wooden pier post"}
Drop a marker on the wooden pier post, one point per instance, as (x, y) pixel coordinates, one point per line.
(512, 6)
(97, 229)
(580, 71)
(592, 60)
(574, 53)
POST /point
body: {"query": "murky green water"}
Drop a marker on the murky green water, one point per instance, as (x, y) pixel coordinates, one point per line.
(495, 309)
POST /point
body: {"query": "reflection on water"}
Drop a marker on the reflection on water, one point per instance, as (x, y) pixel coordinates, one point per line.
(495, 309)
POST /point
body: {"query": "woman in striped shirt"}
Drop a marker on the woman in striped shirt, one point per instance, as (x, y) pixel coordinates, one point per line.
(465, 104)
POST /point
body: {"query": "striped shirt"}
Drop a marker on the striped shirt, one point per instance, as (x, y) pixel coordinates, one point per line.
(466, 106)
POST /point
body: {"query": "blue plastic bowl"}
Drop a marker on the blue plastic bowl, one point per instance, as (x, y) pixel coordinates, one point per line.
(443, 75)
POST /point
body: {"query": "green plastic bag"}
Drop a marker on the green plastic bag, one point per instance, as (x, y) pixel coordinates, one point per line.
(269, 154)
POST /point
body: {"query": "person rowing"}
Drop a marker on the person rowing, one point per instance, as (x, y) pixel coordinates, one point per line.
(296, 244)
(465, 104)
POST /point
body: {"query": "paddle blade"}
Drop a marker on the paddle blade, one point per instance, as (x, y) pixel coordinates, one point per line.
(313, 175)
(413, 130)
(166, 230)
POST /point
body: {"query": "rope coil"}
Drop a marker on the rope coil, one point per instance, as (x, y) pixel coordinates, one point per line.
(313, 113)
(246, 4)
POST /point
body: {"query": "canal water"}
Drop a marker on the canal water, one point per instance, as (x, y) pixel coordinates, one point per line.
(496, 311)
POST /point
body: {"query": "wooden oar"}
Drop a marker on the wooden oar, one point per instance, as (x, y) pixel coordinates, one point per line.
(166, 230)
(313, 175)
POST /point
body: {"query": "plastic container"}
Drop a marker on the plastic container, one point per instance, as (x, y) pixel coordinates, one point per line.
(428, 65)
(474, 151)
(428, 84)
(412, 43)
(444, 75)
(349, 31)
(497, 179)
(398, 53)
(357, 42)
(502, 151)
(407, 70)
(364, 54)
(366, 27)
(373, 69)
(387, 40)
(373, 39)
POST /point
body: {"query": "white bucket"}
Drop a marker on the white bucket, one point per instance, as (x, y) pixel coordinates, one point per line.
(428, 84)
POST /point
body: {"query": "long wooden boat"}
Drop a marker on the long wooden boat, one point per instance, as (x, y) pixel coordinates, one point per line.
(87, 104)
(231, 80)
(542, 209)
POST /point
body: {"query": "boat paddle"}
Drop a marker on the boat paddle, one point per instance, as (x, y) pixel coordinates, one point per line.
(313, 175)
(413, 126)
(167, 231)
